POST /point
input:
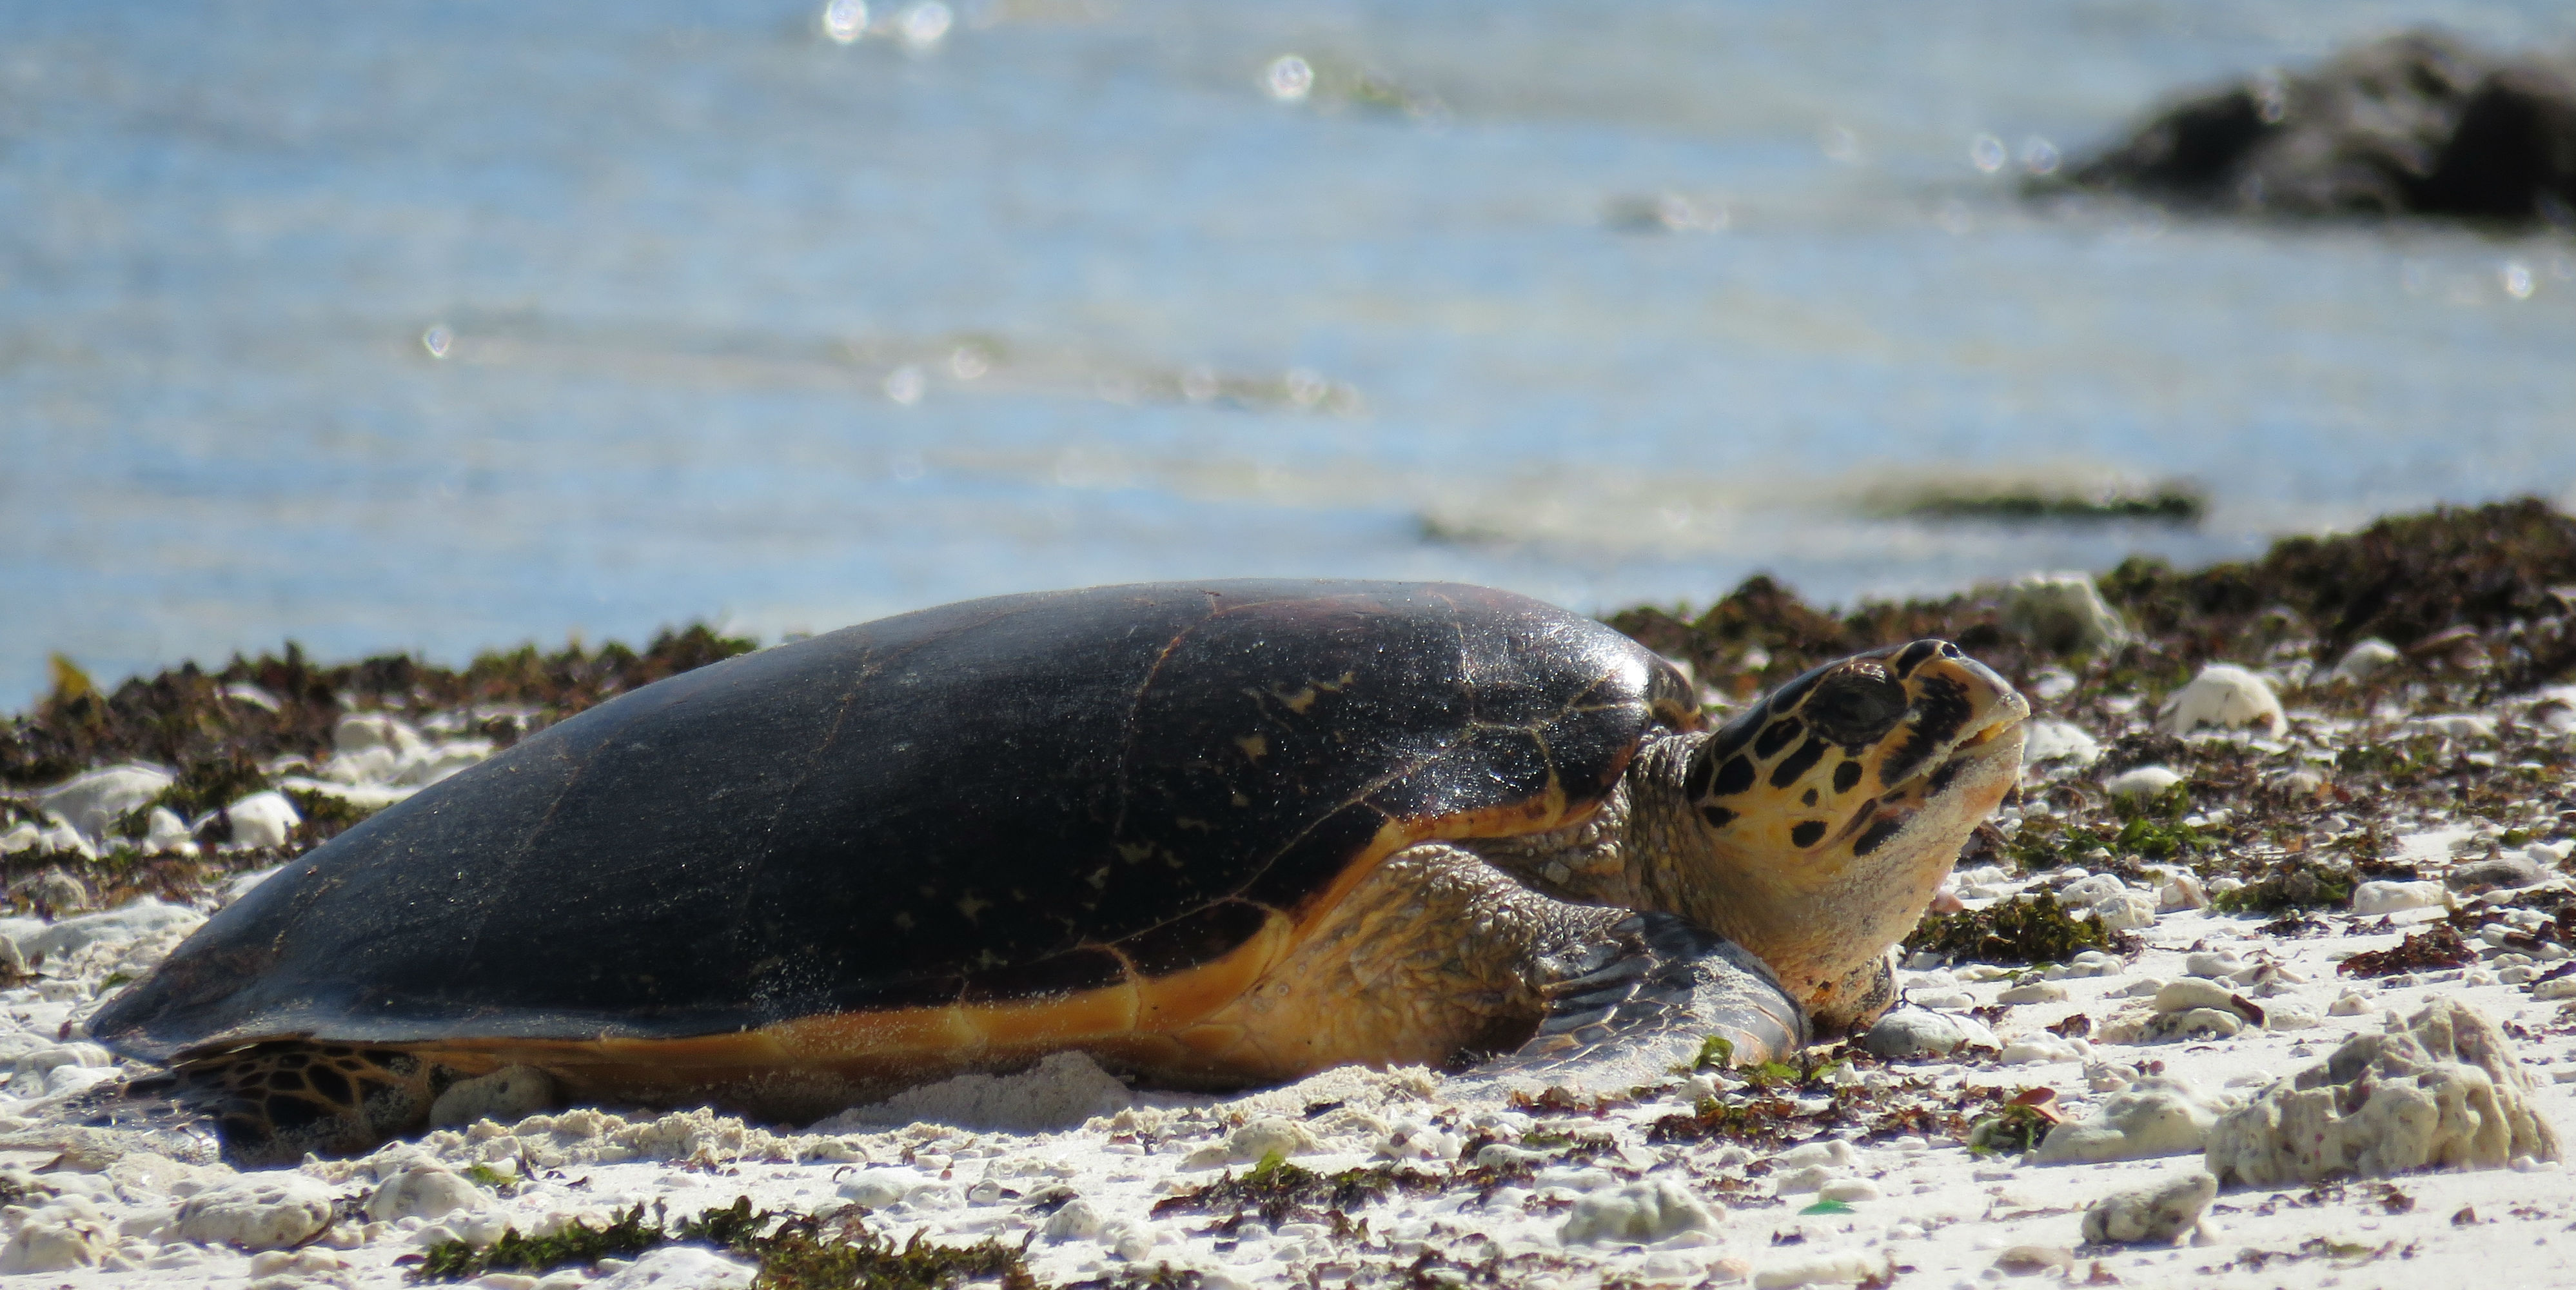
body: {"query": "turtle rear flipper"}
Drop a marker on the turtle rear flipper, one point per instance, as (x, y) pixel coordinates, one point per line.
(1645, 998)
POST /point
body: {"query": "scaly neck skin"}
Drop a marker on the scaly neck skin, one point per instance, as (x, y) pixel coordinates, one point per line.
(1814, 920)
(1637, 852)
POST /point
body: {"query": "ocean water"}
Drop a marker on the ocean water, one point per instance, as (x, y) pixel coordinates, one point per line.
(442, 326)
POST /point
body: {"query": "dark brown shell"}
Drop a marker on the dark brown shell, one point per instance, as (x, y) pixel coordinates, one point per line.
(963, 803)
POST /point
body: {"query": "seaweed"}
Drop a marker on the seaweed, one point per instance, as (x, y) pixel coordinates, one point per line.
(2439, 946)
(795, 1251)
(2030, 929)
(1281, 1192)
(2015, 1127)
(2285, 886)
(220, 727)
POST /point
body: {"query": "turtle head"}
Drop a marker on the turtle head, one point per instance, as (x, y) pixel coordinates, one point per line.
(1832, 810)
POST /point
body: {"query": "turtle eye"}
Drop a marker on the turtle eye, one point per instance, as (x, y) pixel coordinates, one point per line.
(1856, 706)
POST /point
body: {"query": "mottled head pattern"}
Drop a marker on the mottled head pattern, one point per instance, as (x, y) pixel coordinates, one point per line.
(1837, 805)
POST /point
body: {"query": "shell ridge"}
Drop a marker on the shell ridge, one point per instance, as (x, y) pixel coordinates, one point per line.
(1127, 725)
(864, 668)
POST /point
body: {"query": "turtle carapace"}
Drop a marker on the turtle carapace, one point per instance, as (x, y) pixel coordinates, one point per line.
(1213, 834)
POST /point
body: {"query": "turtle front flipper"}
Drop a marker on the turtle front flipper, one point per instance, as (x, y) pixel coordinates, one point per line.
(1644, 994)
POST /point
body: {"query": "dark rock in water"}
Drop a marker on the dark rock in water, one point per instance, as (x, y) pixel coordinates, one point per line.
(2413, 124)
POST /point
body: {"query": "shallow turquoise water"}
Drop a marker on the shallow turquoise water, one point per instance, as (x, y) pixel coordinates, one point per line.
(735, 321)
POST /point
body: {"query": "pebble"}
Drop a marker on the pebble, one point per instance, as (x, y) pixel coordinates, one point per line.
(2446, 1092)
(428, 1190)
(681, 1267)
(265, 1211)
(262, 821)
(1849, 1268)
(2158, 1116)
(1637, 1213)
(879, 1188)
(2142, 781)
(2127, 912)
(2511, 870)
(2030, 1260)
(2182, 891)
(92, 801)
(506, 1096)
(2225, 697)
(2211, 963)
(1073, 1220)
(1848, 1190)
(2364, 660)
(1919, 1032)
(2048, 741)
(2160, 1215)
(2556, 988)
(2062, 612)
(2372, 899)
(2033, 992)
(2043, 1047)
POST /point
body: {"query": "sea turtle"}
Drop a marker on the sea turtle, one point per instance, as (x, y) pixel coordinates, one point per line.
(1213, 834)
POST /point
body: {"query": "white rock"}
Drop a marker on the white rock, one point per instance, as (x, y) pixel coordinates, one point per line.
(2158, 1116)
(2095, 963)
(2194, 992)
(2062, 612)
(2043, 1047)
(1637, 1213)
(2372, 899)
(2211, 963)
(2445, 1093)
(262, 821)
(2141, 781)
(2465, 727)
(427, 1190)
(2090, 888)
(22, 836)
(53, 1241)
(2351, 1003)
(1268, 1135)
(358, 733)
(1826, 1151)
(1920, 1032)
(2159, 1215)
(2044, 740)
(506, 1096)
(1848, 1190)
(681, 1267)
(2033, 992)
(1847, 1268)
(164, 832)
(2128, 911)
(1075, 1220)
(260, 1211)
(2366, 657)
(122, 925)
(2290, 1014)
(2226, 697)
(2556, 988)
(52, 1057)
(2182, 891)
(1060, 1092)
(92, 800)
(879, 1188)
(2194, 1023)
